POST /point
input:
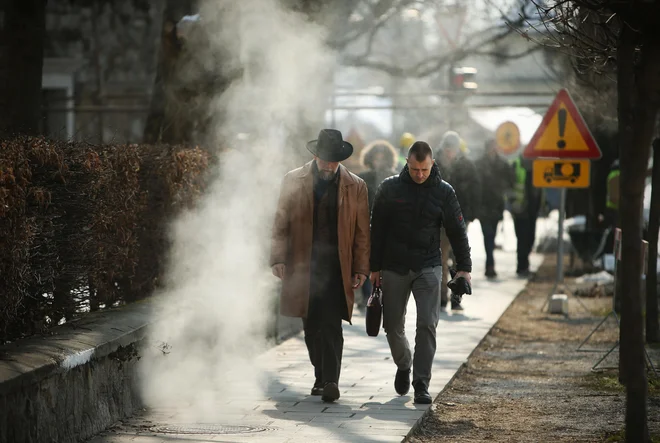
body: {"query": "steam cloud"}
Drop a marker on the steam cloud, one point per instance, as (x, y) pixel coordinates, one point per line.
(220, 290)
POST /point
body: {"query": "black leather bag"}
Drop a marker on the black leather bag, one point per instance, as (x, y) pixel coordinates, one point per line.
(374, 311)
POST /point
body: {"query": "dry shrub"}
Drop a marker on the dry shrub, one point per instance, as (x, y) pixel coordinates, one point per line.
(84, 227)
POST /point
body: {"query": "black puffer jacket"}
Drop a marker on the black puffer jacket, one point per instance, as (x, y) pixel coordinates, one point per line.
(406, 221)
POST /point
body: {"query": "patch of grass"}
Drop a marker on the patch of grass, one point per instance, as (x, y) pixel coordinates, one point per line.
(601, 311)
(620, 437)
(654, 386)
(609, 382)
(603, 381)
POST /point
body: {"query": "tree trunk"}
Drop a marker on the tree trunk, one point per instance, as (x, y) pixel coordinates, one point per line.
(652, 326)
(637, 115)
(157, 127)
(22, 36)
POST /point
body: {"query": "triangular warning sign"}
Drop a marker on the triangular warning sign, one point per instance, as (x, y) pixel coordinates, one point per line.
(562, 133)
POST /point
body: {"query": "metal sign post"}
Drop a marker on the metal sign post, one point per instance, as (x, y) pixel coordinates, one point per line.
(562, 148)
(559, 280)
(560, 238)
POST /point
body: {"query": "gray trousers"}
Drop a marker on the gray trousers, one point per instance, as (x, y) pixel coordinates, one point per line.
(425, 287)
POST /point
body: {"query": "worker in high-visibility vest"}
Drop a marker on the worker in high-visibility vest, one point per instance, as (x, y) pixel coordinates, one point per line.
(612, 199)
(524, 204)
(611, 216)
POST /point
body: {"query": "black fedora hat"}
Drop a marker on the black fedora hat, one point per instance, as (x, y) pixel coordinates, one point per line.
(330, 146)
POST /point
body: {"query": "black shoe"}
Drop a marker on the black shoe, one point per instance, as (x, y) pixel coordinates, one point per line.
(317, 389)
(330, 392)
(402, 381)
(456, 306)
(524, 273)
(490, 272)
(422, 396)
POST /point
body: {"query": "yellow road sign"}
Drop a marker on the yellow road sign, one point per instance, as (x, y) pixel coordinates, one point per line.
(562, 133)
(507, 137)
(561, 173)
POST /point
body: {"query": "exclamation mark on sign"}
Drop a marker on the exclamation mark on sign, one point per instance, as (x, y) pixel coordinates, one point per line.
(561, 116)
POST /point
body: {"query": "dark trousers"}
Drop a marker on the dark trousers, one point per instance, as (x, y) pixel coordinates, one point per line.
(425, 287)
(611, 219)
(323, 329)
(525, 227)
(489, 230)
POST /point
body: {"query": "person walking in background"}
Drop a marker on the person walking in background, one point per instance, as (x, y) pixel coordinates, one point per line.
(525, 204)
(461, 173)
(405, 142)
(320, 251)
(612, 196)
(379, 158)
(497, 178)
(408, 212)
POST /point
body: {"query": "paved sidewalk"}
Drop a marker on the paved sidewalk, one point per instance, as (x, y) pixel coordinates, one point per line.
(369, 410)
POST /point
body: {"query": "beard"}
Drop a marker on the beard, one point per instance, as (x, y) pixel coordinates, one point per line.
(325, 174)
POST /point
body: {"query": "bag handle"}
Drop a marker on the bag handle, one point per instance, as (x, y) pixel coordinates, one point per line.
(378, 282)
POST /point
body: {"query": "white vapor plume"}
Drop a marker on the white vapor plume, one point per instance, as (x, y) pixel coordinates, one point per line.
(219, 296)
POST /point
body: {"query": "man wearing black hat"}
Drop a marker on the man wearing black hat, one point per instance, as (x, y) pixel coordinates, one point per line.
(320, 250)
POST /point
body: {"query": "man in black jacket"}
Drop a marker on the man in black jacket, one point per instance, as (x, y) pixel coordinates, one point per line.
(461, 173)
(409, 211)
(497, 178)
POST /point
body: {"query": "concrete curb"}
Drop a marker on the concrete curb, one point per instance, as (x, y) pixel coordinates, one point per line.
(94, 336)
(81, 378)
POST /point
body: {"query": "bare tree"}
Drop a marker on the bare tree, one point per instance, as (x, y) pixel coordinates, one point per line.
(22, 33)
(162, 123)
(178, 109)
(619, 36)
(652, 323)
(165, 123)
(480, 42)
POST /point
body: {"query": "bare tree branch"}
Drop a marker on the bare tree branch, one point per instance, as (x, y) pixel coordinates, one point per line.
(381, 13)
(486, 38)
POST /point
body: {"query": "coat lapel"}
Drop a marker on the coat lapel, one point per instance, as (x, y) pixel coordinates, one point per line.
(345, 182)
(307, 178)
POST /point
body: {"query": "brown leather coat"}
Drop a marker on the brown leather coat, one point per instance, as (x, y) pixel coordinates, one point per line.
(293, 230)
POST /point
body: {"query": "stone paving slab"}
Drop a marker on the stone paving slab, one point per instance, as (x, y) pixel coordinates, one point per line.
(369, 411)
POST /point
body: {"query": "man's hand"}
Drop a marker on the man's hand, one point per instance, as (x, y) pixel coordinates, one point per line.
(358, 280)
(465, 275)
(278, 270)
(375, 278)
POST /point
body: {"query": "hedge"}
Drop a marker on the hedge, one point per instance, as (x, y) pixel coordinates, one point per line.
(84, 227)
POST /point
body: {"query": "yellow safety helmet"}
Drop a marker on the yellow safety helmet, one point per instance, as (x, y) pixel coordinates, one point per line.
(463, 146)
(406, 140)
